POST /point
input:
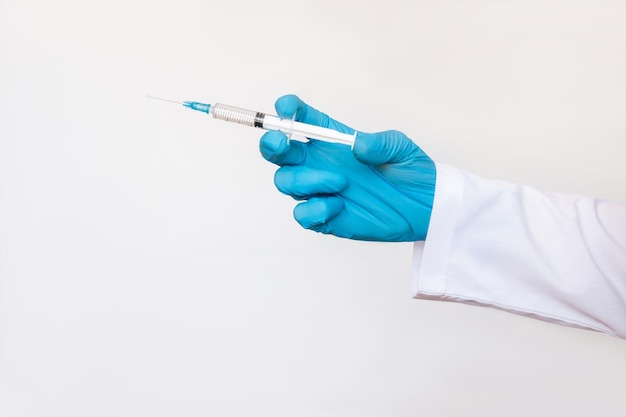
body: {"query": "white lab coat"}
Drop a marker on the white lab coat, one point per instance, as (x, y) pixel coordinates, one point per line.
(556, 257)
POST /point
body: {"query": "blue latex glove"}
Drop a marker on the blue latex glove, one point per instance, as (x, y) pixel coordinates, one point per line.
(381, 190)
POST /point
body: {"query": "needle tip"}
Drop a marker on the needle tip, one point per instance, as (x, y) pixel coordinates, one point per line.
(163, 99)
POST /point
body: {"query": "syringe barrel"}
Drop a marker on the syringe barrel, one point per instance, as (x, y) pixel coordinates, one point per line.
(237, 115)
(289, 127)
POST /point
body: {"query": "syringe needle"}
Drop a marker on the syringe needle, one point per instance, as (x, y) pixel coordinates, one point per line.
(163, 99)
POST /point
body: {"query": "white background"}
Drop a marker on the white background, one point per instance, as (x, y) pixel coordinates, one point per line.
(148, 267)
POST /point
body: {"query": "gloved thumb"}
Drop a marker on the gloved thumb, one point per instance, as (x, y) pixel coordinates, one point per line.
(387, 147)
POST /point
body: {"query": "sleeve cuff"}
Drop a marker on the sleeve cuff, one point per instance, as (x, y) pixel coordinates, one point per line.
(431, 257)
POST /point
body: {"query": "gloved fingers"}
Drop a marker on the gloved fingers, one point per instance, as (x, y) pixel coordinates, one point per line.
(304, 182)
(315, 213)
(385, 148)
(275, 147)
(287, 106)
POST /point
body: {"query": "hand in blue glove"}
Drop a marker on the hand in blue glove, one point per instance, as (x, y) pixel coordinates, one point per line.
(380, 190)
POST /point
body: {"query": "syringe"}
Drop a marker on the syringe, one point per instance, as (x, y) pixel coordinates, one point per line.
(267, 121)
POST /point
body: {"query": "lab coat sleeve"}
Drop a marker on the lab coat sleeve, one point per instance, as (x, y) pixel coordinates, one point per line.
(556, 257)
